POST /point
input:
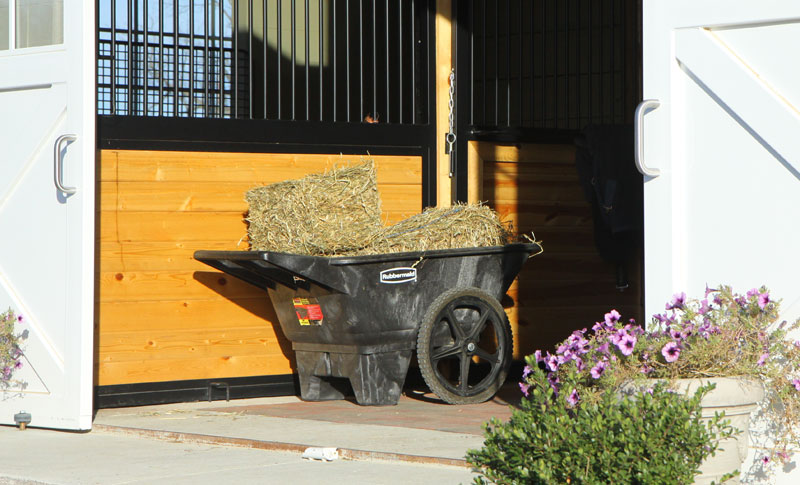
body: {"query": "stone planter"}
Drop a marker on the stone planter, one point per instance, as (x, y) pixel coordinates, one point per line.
(737, 398)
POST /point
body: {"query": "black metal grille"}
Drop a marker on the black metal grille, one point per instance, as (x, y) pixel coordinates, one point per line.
(554, 64)
(294, 60)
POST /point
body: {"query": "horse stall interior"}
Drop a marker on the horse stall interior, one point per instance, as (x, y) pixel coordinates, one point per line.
(199, 101)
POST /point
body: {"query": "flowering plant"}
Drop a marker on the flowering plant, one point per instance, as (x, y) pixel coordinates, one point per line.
(722, 335)
(10, 351)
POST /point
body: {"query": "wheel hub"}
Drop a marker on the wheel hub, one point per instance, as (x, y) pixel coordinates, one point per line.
(471, 347)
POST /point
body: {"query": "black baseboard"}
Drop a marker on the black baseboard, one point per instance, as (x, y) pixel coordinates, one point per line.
(147, 393)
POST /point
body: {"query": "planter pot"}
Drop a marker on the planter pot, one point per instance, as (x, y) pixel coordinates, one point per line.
(737, 398)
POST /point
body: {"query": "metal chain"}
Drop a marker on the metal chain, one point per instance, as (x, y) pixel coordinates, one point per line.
(451, 135)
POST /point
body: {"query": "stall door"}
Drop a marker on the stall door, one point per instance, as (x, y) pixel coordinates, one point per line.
(720, 141)
(47, 148)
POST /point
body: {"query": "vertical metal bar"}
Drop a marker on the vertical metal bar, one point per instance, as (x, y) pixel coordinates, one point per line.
(146, 48)
(321, 62)
(293, 33)
(485, 74)
(472, 61)
(374, 63)
(412, 41)
(361, 59)
(130, 58)
(533, 66)
(347, 55)
(556, 58)
(520, 64)
(400, 58)
(308, 52)
(280, 58)
(235, 35)
(221, 60)
(160, 57)
(250, 91)
(191, 58)
(175, 75)
(113, 56)
(589, 56)
(335, 79)
(508, 63)
(613, 66)
(542, 61)
(265, 49)
(388, 85)
(497, 63)
(205, 58)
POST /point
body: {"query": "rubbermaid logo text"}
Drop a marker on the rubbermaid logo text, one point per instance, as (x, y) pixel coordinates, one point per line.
(398, 275)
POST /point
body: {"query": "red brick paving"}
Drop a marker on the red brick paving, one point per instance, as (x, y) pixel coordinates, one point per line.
(414, 410)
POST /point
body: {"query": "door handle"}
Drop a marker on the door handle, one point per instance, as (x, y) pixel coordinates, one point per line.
(638, 138)
(59, 161)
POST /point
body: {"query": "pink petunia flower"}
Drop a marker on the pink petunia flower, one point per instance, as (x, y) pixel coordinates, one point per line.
(763, 299)
(573, 398)
(763, 359)
(796, 384)
(671, 352)
(612, 317)
(524, 388)
(598, 369)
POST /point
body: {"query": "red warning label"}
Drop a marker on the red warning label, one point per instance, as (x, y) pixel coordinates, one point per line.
(308, 311)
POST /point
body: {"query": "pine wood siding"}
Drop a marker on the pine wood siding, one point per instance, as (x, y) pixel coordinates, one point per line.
(567, 287)
(161, 315)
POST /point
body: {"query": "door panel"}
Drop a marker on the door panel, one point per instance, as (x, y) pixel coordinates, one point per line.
(726, 138)
(46, 252)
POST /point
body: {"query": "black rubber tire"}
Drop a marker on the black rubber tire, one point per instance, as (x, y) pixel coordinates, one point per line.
(446, 333)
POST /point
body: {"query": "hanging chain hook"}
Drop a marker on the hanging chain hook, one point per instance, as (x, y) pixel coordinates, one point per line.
(450, 138)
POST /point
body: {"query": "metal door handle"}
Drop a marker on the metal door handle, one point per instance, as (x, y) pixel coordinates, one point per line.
(57, 159)
(638, 139)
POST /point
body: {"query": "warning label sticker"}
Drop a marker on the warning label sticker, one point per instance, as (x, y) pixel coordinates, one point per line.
(308, 311)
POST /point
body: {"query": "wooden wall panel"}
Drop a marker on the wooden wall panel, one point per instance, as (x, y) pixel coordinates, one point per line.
(569, 286)
(162, 316)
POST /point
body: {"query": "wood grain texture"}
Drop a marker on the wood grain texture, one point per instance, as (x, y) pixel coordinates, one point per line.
(161, 315)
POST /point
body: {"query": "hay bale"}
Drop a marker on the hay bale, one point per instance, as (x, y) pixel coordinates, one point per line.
(460, 226)
(327, 214)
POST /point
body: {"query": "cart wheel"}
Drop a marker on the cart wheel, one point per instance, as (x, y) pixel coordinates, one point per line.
(464, 346)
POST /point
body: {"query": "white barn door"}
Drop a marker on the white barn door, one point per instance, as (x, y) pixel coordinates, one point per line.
(722, 138)
(725, 207)
(47, 139)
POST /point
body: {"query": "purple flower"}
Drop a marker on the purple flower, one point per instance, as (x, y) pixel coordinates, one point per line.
(646, 369)
(763, 299)
(677, 302)
(704, 308)
(765, 460)
(19, 318)
(626, 344)
(579, 364)
(649, 390)
(675, 334)
(18, 365)
(538, 356)
(551, 361)
(573, 398)
(526, 371)
(603, 348)
(709, 290)
(763, 359)
(753, 292)
(671, 352)
(612, 317)
(796, 384)
(524, 388)
(598, 369)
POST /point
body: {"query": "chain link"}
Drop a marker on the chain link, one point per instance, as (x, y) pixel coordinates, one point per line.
(451, 135)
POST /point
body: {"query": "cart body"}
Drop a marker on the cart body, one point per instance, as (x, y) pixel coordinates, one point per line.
(358, 317)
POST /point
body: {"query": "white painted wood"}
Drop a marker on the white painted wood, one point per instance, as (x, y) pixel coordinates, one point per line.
(726, 207)
(47, 248)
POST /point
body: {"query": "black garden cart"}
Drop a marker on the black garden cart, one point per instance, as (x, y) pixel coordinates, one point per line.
(362, 317)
